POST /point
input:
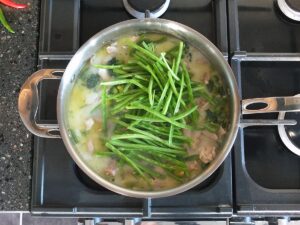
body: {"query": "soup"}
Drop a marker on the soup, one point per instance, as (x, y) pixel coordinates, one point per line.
(148, 112)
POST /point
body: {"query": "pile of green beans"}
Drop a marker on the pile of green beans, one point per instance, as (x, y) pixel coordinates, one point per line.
(151, 100)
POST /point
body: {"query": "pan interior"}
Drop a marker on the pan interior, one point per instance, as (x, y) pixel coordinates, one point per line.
(140, 26)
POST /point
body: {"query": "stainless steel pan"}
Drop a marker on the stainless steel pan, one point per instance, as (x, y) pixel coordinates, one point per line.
(28, 99)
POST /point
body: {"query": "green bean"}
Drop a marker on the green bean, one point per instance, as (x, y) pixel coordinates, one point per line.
(115, 82)
(178, 60)
(171, 134)
(163, 95)
(150, 92)
(185, 114)
(101, 66)
(125, 158)
(168, 67)
(104, 109)
(148, 68)
(188, 82)
(169, 98)
(146, 133)
(180, 96)
(118, 107)
(150, 172)
(144, 51)
(105, 154)
(155, 162)
(147, 147)
(129, 136)
(140, 58)
(157, 130)
(159, 115)
(143, 118)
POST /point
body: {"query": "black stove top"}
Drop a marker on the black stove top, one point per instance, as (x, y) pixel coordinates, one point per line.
(59, 186)
(260, 26)
(264, 58)
(262, 177)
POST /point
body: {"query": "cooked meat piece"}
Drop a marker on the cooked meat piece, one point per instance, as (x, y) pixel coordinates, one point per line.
(207, 153)
(112, 50)
(90, 146)
(221, 132)
(112, 168)
(193, 165)
(104, 74)
(210, 135)
(89, 123)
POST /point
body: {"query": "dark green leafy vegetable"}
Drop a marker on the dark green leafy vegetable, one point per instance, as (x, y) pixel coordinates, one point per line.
(92, 81)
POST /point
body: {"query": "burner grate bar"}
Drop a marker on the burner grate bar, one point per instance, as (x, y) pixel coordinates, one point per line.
(56, 56)
(249, 56)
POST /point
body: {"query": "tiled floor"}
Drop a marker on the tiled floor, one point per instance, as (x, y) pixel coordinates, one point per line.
(9, 218)
(29, 220)
(26, 219)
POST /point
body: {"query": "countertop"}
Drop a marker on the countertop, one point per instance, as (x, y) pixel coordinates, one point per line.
(18, 60)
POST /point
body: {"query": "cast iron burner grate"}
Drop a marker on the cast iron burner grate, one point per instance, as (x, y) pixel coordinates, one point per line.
(290, 8)
(144, 9)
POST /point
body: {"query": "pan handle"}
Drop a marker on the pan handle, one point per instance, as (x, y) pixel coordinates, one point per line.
(28, 104)
(271, 104)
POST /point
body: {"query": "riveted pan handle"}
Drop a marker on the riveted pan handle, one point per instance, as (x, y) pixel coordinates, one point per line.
(269, 105)
(28, 104)
(272, 104)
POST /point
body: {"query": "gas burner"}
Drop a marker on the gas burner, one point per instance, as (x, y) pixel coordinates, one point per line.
(290, 8)
(144, 8)
(290, 135)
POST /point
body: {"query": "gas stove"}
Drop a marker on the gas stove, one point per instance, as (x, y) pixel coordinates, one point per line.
(260, 177)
